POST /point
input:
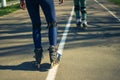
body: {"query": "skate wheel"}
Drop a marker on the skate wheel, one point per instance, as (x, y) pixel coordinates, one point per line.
(37, 65)
(53, 64)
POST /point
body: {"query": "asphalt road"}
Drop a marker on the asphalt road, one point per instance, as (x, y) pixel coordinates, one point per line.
(87, 55)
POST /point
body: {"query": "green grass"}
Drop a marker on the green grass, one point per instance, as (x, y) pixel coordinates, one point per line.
(12, 8)
(8, 0)
(9, 9)
(116, 2)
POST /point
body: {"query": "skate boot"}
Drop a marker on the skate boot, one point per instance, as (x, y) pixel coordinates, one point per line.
(78, 23)
(53, 56)
(38, 57)
(85, 25)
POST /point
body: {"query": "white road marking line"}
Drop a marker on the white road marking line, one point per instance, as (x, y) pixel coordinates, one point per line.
(62, 42)
(108, 10)
(52, 72)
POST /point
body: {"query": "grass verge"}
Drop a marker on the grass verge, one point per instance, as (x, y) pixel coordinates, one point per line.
(115, 2)
(9, 9)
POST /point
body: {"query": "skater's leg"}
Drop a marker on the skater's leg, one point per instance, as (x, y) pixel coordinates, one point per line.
(83, 9)
(77, 12)
(52, 33)
(33, 10)
(49, 11)
(84, 13)
(77, 8)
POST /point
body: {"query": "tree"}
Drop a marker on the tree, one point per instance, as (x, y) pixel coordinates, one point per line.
(3, 3)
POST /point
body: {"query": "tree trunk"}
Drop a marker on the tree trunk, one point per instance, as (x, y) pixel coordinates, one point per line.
(3, 3)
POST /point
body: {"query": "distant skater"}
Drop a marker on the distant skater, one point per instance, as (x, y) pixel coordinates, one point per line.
(80, 13)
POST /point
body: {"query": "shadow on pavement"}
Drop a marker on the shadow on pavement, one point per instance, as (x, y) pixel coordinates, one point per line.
(26, 66)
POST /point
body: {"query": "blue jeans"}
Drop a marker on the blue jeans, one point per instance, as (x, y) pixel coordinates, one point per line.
(50, 15)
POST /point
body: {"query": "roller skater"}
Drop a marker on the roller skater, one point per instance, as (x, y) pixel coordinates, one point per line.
(50, 15)
(80, 6)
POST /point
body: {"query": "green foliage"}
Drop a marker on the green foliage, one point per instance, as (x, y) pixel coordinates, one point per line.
(9, 9)
(9, 0)
(116, 2)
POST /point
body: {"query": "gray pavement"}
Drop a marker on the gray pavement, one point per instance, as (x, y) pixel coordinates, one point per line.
(88, 55)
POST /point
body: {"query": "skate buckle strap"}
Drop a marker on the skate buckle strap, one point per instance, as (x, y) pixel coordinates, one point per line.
(52, 24)
(53, 53)
(52, 49)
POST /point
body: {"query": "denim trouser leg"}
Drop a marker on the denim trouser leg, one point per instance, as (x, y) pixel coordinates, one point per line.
(33, 10)
(83, 9)
(77, 8)
(49, 11)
